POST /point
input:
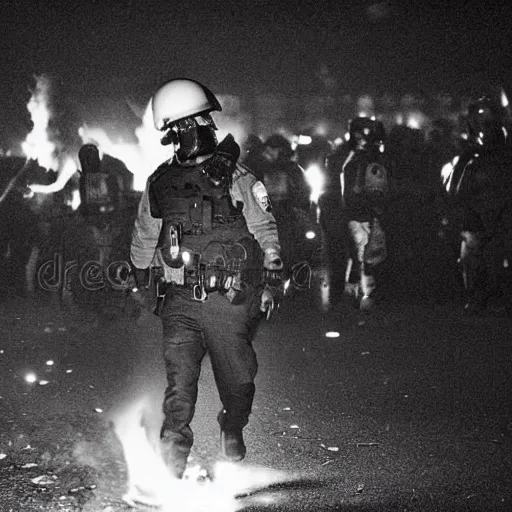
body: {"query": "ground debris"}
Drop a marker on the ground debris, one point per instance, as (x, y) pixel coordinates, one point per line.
(44, 480)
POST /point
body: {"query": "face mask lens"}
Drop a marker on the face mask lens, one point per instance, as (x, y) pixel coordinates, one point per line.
(206, 120)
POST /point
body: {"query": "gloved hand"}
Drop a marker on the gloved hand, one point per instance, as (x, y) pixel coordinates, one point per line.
(267, 302)
(139, 278)
(219, 168)
(272, 260)
(269, 299)
(139, 287)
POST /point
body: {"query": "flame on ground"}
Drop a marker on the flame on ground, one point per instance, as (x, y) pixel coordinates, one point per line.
(151, 484)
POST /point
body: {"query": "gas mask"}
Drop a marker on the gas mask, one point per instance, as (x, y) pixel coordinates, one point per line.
(218, 170)
(192, 137)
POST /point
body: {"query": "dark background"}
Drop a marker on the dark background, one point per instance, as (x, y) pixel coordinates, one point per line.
(98, 51)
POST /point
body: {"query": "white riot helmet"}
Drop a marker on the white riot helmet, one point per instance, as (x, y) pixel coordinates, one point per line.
(181, 98)
(181, 109)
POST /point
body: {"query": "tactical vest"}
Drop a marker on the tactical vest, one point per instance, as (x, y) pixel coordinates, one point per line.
(366, 181)
(203, 236)
(484, 177)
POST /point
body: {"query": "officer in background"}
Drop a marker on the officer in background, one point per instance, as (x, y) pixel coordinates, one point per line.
(365, 193)
(205, 222)
(481, 184)
(285, 181)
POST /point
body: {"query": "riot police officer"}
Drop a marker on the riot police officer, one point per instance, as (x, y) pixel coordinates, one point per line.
(365, 192)
(481, 183)
(289, 192)
(204, 222)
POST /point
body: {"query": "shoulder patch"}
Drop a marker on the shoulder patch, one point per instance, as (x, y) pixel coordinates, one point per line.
(239, 171)
(261, 195)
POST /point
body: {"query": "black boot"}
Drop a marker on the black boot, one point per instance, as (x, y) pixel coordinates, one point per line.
(232, 445)
(174, 453)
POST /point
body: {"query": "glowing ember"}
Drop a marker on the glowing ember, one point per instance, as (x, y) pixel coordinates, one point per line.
(31, 378)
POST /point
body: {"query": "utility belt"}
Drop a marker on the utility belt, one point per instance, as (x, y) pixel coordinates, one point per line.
(212, 278)
(230, 268)
(205, 280)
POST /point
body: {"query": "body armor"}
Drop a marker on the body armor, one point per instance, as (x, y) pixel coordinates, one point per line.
(99, 190)
(366, 181)
(204, 243)
(483, 175)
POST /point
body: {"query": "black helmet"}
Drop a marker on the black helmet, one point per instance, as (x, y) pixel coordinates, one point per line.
(89, 157)
(277, 141)
(366, 131)
(486, 122)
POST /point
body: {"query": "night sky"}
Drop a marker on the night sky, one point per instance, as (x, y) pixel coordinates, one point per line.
(97, 51)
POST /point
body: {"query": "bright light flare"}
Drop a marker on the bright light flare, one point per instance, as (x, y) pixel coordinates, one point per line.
(30, 378)
(416, 120)
(68, 169)
(310, 235)
(504, 99)
(447, 173)
(150, 482)
(316, 180)
(37, 145)
(140, 158)
(304, 140)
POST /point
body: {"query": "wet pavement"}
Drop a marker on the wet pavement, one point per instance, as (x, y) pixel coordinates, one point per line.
(408, 408)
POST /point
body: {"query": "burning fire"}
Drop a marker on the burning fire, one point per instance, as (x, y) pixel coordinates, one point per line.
(151, 484)
(142, 158)
(37, 145)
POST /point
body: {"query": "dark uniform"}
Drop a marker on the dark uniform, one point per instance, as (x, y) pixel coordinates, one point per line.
(211, 244)
(286, 183)
(365, 193)
(481, 182)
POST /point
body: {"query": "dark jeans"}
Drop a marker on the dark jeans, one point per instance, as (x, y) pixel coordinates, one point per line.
(190, 330)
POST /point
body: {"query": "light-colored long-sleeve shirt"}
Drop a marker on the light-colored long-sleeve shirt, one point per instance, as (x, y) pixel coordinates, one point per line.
(245, 189)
